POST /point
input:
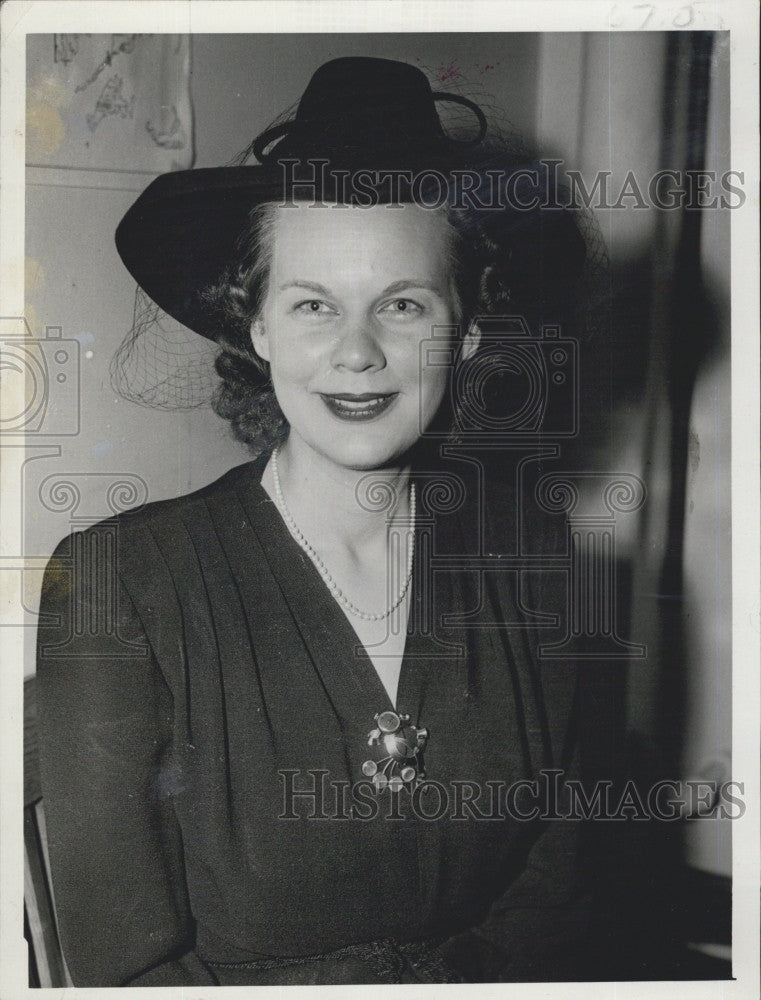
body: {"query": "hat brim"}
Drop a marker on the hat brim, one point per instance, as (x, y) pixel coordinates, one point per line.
(182, 232)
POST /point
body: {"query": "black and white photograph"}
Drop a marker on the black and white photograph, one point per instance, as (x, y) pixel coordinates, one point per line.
(380, 529)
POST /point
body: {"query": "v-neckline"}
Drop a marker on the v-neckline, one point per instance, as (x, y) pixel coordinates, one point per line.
(302, 584)
(353, 638)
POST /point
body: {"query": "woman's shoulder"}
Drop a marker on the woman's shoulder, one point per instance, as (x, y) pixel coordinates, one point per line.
(148, 547)
(154, 514)
(225, 487)
(142, 560)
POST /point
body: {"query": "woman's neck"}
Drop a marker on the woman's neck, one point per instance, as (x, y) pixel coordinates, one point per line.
(335, 506)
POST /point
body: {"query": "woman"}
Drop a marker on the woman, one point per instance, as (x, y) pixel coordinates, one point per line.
(298, 753)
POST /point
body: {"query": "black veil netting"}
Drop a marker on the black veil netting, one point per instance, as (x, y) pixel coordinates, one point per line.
(160, 363)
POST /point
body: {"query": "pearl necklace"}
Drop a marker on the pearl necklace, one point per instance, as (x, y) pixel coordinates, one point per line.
(323, 569)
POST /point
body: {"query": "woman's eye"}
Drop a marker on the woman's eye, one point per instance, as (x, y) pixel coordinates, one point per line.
(313, 307)
(403, 307)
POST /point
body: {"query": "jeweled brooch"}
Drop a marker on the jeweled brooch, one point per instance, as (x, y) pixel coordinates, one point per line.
(403, 744)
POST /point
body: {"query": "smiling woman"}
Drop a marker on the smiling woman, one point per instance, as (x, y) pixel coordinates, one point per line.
(308, 661)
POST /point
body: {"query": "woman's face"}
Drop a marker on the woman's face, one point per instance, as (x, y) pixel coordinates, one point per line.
(351, 293)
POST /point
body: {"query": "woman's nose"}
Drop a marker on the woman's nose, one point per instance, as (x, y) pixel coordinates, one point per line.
(358, 348)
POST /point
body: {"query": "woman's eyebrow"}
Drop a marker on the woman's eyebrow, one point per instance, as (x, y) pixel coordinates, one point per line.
(393, 288)
(400, 286)
(311, 286)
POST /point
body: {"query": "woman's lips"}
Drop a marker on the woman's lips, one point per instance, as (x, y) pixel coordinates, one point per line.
(363, 406)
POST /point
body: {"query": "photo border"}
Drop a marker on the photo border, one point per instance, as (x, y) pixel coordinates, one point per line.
(339, 16)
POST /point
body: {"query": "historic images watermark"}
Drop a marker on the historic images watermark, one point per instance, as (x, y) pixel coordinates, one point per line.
(40, 408)
(41, 378)
(541, 185)
(536, 375)
(313, 795)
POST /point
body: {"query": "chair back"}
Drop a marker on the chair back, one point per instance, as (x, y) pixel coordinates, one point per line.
(46, 964)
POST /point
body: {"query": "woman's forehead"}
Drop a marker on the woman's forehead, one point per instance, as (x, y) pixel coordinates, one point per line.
(331, 239)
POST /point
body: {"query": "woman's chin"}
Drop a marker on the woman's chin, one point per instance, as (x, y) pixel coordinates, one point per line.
(365, 455)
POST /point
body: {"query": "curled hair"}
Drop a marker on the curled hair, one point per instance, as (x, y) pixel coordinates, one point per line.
(500, 265)
(245, 395)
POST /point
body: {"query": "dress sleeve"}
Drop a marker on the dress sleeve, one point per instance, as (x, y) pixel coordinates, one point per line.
(537, 930)
(105, 717)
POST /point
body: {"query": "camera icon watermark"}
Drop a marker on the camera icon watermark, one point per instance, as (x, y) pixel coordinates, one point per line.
(40, 381)
(515, 385)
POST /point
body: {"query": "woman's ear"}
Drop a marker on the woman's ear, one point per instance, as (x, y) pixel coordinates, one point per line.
(470, 342)
(259, 339)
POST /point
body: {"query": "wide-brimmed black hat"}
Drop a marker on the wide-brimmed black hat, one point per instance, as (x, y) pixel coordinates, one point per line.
(356, 114)
(359, 119)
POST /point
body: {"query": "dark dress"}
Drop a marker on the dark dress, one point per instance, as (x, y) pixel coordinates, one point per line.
(193, 667)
